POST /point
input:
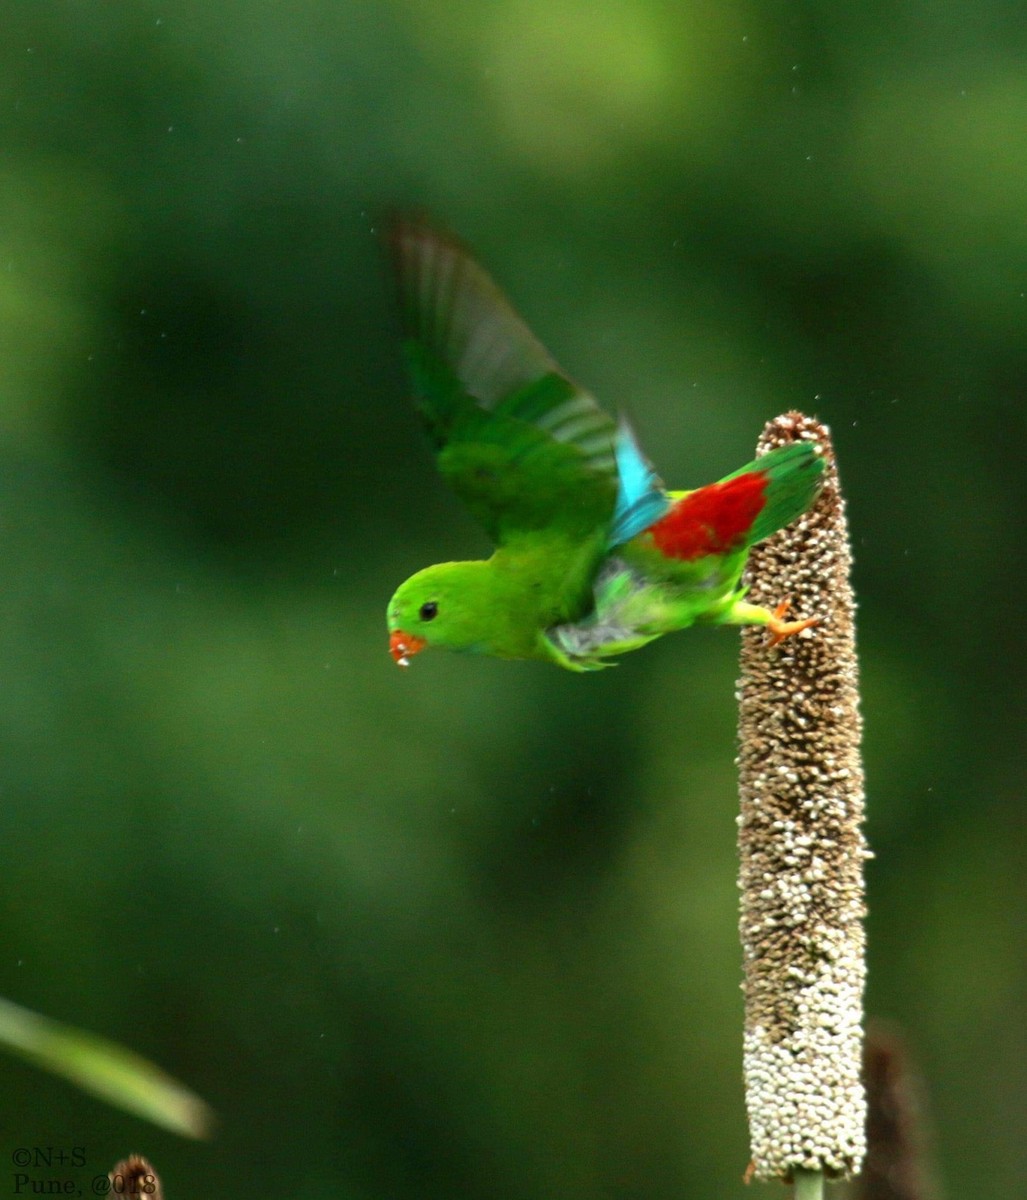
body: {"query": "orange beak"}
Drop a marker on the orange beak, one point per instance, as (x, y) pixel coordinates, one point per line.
(403, 646)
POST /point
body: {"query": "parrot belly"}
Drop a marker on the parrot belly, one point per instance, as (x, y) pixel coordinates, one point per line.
(632, 608)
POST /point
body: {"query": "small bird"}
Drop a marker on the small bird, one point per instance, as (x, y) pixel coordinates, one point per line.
(593, 556)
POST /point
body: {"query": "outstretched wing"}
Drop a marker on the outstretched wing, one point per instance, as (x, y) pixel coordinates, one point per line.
(523, 446)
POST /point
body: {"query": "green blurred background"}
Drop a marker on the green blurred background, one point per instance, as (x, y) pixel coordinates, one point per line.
(471, 929)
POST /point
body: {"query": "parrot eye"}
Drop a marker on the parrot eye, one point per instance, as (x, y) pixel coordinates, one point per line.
(428, 611)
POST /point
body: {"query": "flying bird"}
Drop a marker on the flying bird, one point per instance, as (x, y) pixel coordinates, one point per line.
(593, 556)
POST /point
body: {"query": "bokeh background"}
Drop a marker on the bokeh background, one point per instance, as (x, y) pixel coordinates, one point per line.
(471, 929)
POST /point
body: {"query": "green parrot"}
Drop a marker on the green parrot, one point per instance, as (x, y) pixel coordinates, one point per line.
(593, 556)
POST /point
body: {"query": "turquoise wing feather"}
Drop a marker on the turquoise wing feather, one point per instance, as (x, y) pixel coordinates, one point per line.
(641, 498)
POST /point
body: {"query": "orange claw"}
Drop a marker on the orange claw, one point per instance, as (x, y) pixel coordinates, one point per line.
(781, 629)
(403, 646)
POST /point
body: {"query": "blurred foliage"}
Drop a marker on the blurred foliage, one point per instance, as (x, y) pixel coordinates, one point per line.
(104, 1069)
(472, 929)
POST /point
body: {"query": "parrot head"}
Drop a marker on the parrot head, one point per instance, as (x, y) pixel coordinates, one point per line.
(439, 606)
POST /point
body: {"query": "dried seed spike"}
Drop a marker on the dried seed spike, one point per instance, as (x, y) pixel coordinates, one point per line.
(135, 1178)
(802, 847)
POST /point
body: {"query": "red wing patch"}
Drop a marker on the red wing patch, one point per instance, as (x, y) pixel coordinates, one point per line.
(713, 519)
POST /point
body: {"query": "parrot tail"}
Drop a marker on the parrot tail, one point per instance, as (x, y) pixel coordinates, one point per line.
(793, 475)
(746, 507)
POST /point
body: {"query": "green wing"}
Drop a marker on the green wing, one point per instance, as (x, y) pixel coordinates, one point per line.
(522, 445)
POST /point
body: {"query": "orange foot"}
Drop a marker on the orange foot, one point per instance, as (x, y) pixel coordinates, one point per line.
(781, 629)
